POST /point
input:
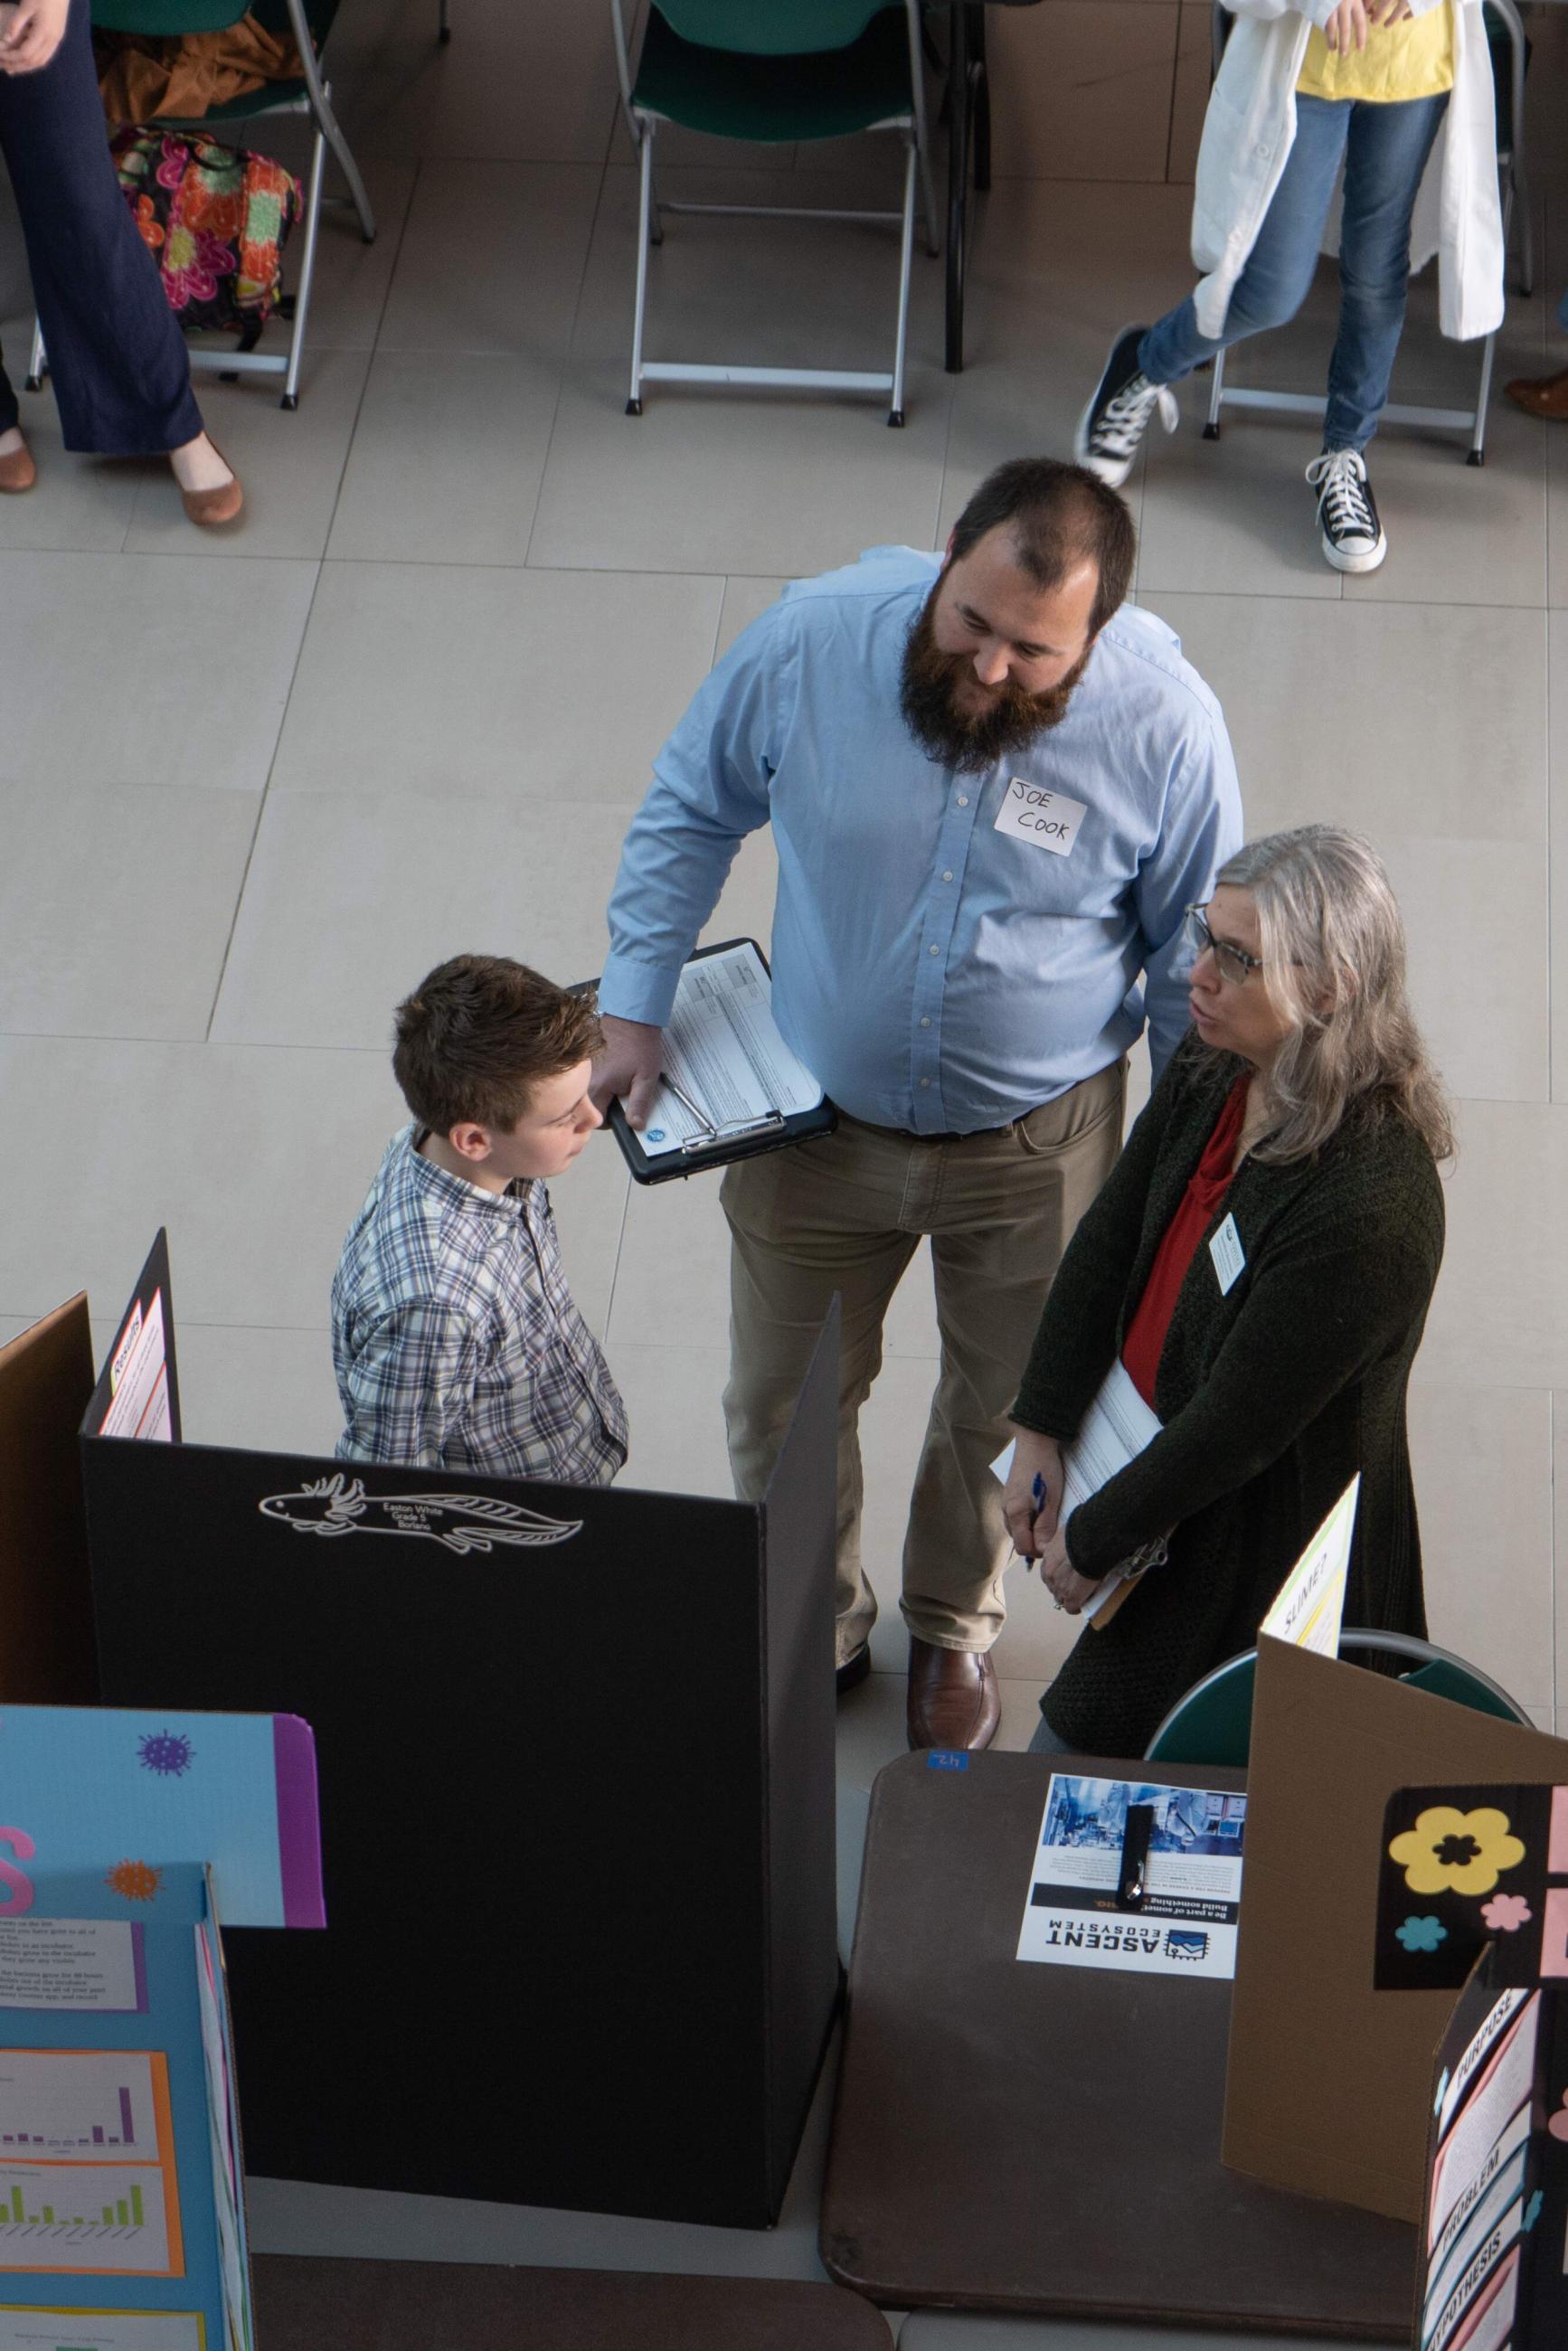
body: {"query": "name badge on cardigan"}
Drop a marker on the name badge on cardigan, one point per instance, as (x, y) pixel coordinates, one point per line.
(1229, 1255)
(1046, 819)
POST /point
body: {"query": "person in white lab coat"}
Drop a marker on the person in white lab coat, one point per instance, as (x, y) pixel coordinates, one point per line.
(1397, 96)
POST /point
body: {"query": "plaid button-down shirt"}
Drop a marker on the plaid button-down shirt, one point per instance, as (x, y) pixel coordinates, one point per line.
(457, 1341)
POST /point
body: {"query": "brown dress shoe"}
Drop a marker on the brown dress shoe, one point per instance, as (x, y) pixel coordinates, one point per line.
(1541, 395)
(954, 1701)
(211, 508)
(18, 472)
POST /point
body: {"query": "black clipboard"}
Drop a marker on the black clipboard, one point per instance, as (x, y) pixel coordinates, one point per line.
(774, 1133)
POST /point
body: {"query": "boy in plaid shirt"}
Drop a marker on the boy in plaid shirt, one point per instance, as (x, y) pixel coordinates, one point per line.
(457, 1341)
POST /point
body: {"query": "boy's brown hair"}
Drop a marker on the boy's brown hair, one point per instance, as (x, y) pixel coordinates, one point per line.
(480, 1033)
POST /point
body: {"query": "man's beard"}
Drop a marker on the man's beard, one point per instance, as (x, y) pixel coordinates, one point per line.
(971, 740)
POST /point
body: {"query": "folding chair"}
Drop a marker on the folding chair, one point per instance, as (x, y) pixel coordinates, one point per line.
(309, 21)
(776, 71)
(1505, 33)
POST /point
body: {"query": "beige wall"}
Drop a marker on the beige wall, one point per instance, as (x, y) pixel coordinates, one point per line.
(1116, 89)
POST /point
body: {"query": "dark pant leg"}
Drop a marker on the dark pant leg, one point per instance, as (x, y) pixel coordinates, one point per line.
(121, 376)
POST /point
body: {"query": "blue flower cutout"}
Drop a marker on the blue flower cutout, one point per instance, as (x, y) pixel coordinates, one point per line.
(1422, 1934)
(1532, 2209)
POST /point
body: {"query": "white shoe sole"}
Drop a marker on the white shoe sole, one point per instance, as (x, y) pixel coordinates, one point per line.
(1343, 562)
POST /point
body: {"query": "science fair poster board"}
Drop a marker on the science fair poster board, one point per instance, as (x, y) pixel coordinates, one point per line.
(121, 2179)
(577, 1750)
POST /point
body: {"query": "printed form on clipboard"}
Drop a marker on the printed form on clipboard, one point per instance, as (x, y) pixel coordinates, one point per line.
(1115, 1429)
(729, 1084)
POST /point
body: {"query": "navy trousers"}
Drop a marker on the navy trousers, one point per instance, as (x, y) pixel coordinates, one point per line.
(116, 357)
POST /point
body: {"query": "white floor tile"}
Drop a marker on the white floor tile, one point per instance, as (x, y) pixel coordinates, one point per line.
(78, 505)
(416, 677)
(519, 80)
(447, 459)
(146, 670)
(491, 259)
(115, 907)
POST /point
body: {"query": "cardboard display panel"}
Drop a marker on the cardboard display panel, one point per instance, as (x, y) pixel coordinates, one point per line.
(1015, 2138)
(303, 2304)
(45, 1593)
(575, 1749)
(1328, 2078)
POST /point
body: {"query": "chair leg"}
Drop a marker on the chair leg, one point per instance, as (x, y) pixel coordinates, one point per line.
(445, 32)
(37, 363)
(1520, 195)
(1215, 394)
(981, 83)
(905, 262)
(645, 215)
(328, 125)
(307, 269)
(1478, 449)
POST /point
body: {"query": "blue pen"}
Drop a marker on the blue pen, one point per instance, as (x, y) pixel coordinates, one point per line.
(1037, 1495)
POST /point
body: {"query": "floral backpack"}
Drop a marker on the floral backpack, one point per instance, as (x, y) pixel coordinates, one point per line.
(214, 219)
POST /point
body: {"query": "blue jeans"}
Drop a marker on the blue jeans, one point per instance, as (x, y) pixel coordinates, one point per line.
(1384, 150)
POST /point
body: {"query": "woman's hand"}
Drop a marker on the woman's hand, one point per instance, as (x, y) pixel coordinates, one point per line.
(1068, 1588)
(30, 34)
(1031, 1523)
(1347, 27)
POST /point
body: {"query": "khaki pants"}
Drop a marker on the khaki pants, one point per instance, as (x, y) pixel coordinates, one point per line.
(846, 1214)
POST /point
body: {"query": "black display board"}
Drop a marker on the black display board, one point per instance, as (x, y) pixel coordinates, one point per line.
(576, 1756)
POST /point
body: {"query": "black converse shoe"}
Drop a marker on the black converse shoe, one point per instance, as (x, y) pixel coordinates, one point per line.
(1352, 538)
(1116, 419)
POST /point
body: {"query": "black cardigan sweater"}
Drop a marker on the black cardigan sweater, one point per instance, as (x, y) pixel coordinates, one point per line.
(1271, 1397)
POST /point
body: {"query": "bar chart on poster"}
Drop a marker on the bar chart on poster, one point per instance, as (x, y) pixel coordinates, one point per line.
(58, 2102)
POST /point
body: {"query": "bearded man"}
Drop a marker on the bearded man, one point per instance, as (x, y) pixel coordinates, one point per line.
(994, 792)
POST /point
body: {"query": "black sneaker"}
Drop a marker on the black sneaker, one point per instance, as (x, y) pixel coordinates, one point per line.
(1352, 538)
(1116, 419)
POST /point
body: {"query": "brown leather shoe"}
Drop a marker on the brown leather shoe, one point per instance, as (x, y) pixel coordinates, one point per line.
(210, 508)
(1541, 395)
(18, 472)
(954, 1701)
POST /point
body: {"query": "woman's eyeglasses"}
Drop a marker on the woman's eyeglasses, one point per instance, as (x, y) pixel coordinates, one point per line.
(1234, 964)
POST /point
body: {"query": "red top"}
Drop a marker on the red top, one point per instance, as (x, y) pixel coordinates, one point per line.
(1199, 1204)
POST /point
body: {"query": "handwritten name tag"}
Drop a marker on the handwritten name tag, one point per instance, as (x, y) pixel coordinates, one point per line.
(1229, 1255)
(1045, 820)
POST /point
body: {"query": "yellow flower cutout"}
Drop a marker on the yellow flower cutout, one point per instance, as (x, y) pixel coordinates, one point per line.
(1463, 1853)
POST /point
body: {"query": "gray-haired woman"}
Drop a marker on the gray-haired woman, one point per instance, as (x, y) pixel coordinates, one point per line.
(1261, 1261)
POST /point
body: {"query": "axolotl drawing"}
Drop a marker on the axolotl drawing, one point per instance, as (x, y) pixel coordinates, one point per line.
(460, 1522)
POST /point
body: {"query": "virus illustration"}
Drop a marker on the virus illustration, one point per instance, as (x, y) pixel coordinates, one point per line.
(167, 1753)
(137, 1880)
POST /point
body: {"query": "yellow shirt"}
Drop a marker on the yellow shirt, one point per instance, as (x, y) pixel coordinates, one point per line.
(1400, 61)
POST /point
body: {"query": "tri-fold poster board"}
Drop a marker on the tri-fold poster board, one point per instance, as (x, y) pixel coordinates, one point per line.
(578, 1783)
(128, 1834)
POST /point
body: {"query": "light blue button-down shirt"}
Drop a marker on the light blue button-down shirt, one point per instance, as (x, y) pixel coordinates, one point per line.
(933, 973)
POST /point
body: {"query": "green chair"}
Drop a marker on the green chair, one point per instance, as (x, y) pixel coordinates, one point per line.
(309, 21)
(1213, 1723)
(776, 71)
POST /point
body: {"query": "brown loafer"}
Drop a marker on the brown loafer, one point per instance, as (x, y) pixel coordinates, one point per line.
(17, 473)
(210, 508)
(1541, 395)
(954, 1701)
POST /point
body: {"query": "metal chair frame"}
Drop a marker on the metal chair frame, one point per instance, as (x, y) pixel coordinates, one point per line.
(316, 101)
(641, 124)
(1515, 197)
(1396, 1645)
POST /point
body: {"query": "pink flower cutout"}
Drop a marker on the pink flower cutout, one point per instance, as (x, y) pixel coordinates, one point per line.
(1558, 2125)
(1505, 1914)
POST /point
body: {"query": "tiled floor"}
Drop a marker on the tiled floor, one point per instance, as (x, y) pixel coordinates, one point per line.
(250, 788)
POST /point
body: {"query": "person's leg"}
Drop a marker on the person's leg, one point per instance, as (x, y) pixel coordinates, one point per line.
(1145, 362)
(805, 1223)
(1386, 156)
(121, 376)
(1007, 1206)
(1280, 268)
